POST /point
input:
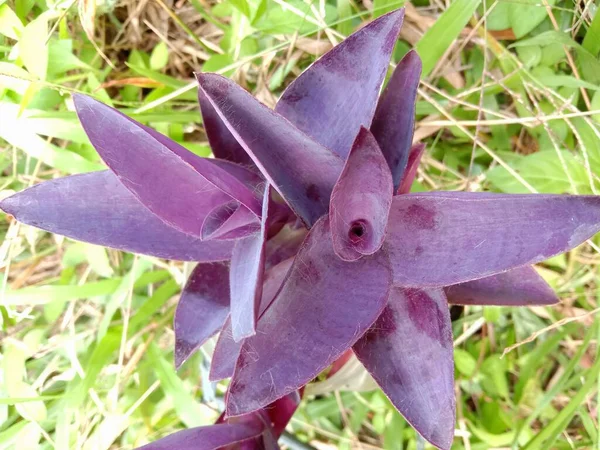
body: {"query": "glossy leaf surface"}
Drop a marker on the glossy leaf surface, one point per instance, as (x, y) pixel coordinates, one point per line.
(180, 193)
(96, 208)
(338, 93)
(202, 308)
(307, 326)
(246, 277)
(409, 353)
(394, 120)
(227, 349)
(445, 238)
(361, 200)
(302, 170)
(522, 286)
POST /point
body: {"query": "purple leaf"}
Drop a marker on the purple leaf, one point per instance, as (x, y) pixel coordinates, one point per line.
(282, 410)
(338, 93)
(246, 276)
(208, 438)
(409, 353)
(202, 309)
(95, 207)
(227, 350)
(180, 189)
(361, 200)
(223, 144)
(229, 221)
(323, 307)
(517, 287)
(445, 238)
(394, 120)
(302, 170)
(414, 159)
(284, 245)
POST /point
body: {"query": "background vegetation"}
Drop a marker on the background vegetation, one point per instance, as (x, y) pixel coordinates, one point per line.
(509, 102)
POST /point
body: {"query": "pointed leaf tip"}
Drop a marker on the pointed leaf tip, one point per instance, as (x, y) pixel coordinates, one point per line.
(394, 120)
(522, 286)
(361, 200)
(414, 159)
(338, 93)
(302, 170)
(202, 309)
(409, 353)
(316, 298)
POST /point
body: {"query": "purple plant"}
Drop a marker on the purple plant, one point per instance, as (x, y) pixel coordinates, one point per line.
(307, 240)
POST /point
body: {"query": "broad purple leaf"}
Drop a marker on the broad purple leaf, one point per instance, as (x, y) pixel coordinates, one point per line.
(208, 438)
(95, 207)
(445, 238)
(302, 170)
(246, 276)
(229, 221)
(338, 93)
(176, 190)
(227, 350)
(394, 120)
(202, 309)
(323, 307)
(223, 144)
(522, 286)
(361, 200)
(409, 353)
(284, 245)
(282, 410)
(414, 159)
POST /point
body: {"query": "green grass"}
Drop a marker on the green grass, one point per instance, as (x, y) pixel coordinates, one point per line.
(509, 102)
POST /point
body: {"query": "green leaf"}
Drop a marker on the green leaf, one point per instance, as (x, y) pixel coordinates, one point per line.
(437, 39)
(10, 24)
(464, 362)
(242, 6)
(41, 295)
(526, 15)
(591, 42)
(499, 18)
(381, 7)
(566, 81)
(33, 48)
(159, 58)
(596, 106)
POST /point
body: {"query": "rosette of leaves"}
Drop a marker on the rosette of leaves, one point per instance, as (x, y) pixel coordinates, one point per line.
(307, 241)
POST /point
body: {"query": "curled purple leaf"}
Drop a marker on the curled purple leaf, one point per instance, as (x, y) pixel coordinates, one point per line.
(338, 93)
(409, 353)
(181, 189)
(414, 159)
(441, 238)
(522, 286)
(202, 309)
(361, 200)
(308, 325)
(394, 120)
(96, 208)
(229, 221)
(227, 349)
(302, 170)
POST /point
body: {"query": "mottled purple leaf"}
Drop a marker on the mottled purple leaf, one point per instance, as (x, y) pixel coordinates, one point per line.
(229, 221)
(202, 309)
(361, 200)
(522, 286)
(445, 238)
(223, 144)
(308, 325)
(394, 120)
(409, 353)
(302, 170)
(95, 207)
(178, 191)
(338, 93)
(414, 159)
(208, 438)
(246, 276)
(227, 350)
